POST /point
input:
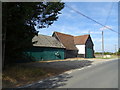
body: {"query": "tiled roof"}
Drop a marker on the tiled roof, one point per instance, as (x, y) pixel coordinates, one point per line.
(81, 40)
(66, 40)
(46, 41)
(70, 41)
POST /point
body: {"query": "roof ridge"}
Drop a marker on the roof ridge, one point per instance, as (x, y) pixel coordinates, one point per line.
(44, 35)
(46, 41)
(64, 34)
(67, 40)
(82, 35)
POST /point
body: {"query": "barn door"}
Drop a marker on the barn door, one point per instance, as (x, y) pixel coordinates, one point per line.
(89, 53)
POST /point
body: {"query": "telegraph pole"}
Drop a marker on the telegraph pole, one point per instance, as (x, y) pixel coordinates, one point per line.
(102, 44)
(115, 49)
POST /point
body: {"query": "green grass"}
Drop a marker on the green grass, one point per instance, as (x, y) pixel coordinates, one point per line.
(112, 57)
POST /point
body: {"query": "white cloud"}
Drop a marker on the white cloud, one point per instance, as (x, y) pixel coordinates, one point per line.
(104, 28)
(97, 40)
(73, 30)
(95, 32)
(88, 31)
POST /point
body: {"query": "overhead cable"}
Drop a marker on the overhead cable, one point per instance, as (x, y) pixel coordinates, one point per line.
(91, 19)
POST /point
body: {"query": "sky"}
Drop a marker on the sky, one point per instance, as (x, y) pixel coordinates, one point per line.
(70, 22)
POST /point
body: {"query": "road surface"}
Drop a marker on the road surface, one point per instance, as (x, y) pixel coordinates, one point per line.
(103, 75)
(100, 75)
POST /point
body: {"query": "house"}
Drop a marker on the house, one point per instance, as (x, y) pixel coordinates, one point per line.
(76, 46)
(46, 48)
(71, 50)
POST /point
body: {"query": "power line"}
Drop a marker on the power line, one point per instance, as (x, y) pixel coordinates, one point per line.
(109, 13)
(102, 30)
(91, 19)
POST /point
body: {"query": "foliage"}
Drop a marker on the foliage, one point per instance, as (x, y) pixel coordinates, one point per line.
(98, 53)
(105, 53)
(19, 21)
(108, 53)
(118, 53)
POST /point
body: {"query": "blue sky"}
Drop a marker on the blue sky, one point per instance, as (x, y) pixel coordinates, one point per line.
(70, 22)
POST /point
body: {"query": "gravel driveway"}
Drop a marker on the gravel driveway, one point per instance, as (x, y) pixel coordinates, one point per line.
(63, 65)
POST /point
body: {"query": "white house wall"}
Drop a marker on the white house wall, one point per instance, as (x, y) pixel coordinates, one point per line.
(81, 49)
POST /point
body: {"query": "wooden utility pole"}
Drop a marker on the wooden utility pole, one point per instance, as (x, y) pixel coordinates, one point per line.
(102, 44)
(115, 49)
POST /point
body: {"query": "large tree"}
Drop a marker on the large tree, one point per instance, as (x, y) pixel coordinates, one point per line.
(19, 21)
(118, 51)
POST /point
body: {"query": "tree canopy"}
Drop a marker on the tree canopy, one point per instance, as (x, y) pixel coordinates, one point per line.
(118, 52)
(19, 20)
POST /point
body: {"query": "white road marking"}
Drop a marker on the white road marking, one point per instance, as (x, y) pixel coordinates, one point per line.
(53, 78)
(68, 72)
(40, 81)
(94, 63)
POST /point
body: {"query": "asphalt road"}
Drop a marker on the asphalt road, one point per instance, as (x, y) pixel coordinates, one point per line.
(103, 75)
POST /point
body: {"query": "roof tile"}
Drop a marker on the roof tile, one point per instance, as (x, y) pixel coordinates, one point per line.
(81, 40)
(66, 40)
(46, 41)
(70, 41)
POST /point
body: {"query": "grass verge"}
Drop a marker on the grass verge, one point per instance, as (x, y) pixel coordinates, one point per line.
(112, 57)
(18, 75)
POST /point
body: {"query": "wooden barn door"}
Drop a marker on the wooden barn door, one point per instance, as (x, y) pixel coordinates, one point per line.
(89, 53)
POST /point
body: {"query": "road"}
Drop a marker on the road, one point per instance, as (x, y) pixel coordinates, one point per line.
(100, 75)
(103, 75)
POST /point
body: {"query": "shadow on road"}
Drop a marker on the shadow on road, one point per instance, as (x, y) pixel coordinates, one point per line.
(53, 82)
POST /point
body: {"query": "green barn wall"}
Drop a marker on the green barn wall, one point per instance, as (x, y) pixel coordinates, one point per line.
(42, 54)
(89, 53)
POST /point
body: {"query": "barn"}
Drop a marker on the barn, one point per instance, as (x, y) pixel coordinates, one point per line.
(85, 46)
(76, 46)
(61, 46)
(46, 48)
(71, 50)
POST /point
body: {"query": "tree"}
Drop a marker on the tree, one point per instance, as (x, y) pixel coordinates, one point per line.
(19, 20)
(118, 53)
